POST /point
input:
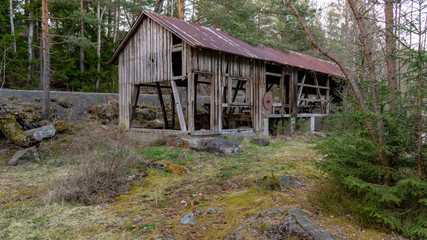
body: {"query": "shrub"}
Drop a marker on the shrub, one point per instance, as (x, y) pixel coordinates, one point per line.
(352, 162)
(97, 179)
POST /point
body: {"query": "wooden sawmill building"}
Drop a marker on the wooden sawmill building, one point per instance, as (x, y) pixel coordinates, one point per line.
(248, 88)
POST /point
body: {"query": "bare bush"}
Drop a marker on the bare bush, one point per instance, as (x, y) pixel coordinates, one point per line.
(97, 178)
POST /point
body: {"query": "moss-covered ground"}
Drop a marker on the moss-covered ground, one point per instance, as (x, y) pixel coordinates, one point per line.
(236, 187)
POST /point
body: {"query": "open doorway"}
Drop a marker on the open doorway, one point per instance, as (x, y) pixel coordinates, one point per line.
(236, 104)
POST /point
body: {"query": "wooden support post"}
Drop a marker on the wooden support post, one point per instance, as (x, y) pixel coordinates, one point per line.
(229, 93)
(328, 91)
(282, 93)
(318, 91)
(196, 79)
(162, 104)
(294, 96)
(302, 86)
(190, 102)
(134, 101)
(173, 107)
(178, 107)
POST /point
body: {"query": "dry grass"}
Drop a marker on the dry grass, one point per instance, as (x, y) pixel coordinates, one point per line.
(35, 204)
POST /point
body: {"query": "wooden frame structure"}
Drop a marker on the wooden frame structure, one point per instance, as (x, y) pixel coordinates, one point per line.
(166, 53)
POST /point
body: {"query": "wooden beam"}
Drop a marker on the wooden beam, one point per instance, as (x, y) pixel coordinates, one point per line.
(162, 104)
(134, 101)
(311, 100)
(273, 74)
(282, 92)
(152, 85)
(313, 86)
(178, 107)
(300, 89)
(318, 91)
(190, 102)
(328, 104)
(173, 107)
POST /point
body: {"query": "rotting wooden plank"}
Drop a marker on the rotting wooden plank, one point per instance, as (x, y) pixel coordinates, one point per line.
(173, 107)
(162, 104)
(178, 107)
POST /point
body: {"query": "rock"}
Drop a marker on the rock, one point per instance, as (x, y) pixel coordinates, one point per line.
(176, 142)
(146, 114)
(24, 156)
(319, 134)
(43, 132)
(10, 128)
(154, 124)
(286, 182)
(210, 211)
(177, 169)
(188, 219)
(221, 146)
(278, 224)
(261, 142)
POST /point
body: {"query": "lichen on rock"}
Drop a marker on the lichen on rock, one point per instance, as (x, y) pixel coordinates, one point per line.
(10, 127)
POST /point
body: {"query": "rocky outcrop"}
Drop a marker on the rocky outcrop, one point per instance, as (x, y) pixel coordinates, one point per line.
(277, 224)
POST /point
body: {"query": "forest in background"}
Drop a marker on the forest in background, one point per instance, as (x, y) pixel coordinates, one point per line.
(83, 34)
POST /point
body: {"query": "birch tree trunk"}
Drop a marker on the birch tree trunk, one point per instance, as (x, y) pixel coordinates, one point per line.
(99, 16)
(12, 25)
(30, 46)
(46, 61)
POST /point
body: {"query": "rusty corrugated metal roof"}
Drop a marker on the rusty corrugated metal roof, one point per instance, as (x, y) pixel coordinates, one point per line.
(204, 37)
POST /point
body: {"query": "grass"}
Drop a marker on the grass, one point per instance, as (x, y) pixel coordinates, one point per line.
(151, 207)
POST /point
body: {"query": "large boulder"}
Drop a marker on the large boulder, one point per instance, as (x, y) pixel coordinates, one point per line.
(188, 219)
(43, 132)
(24, 156)
(10, 128)
(221, 146)
(278, 224)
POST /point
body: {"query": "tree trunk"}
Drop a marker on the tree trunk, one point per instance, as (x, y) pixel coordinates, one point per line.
(390, 46)
(117, 25)
(99, 15)
(181, 11)
(420, 96)
(46, 61)
(82, 32)
(159, 7)
(12, 25)
(30, 46)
